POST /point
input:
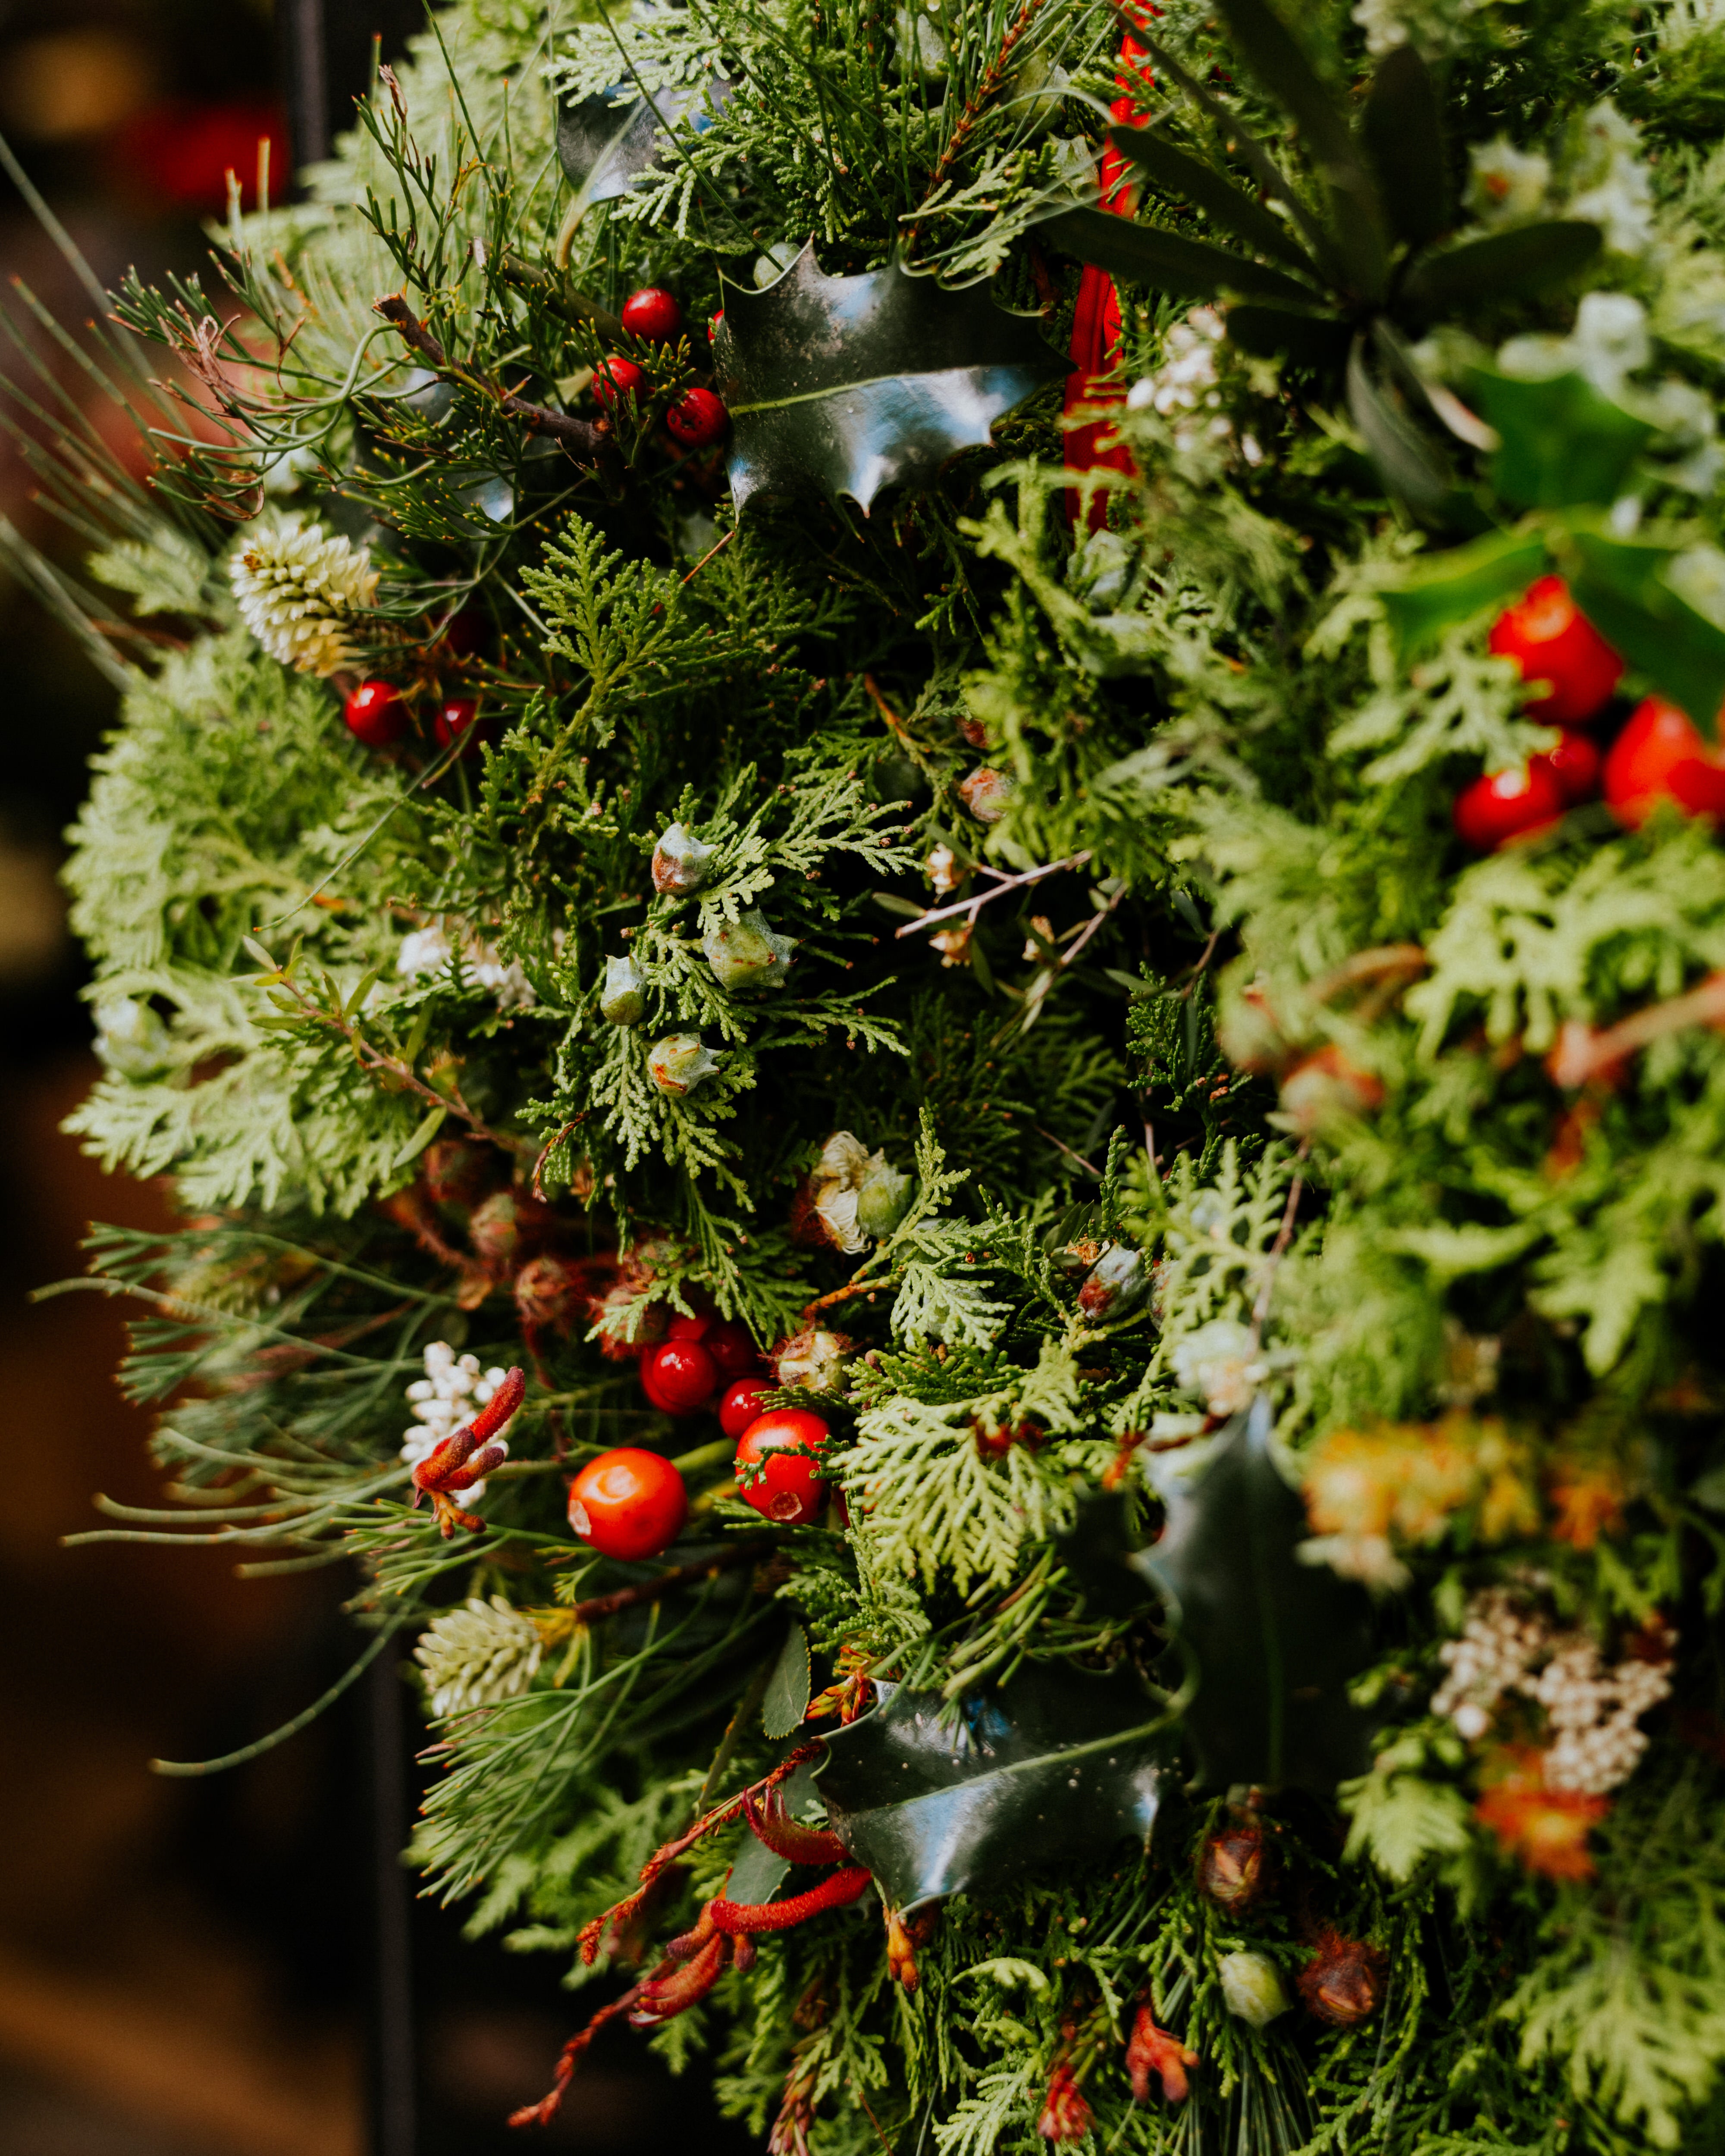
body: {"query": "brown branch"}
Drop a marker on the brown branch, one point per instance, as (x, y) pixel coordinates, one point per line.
(570, 306)
(560, 1624)
(1279, 1248)
(585, 437)
(1582, 1054)
(960, 136)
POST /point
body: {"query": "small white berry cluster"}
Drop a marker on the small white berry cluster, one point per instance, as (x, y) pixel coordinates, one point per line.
(1592, 1711)
(451, 1393)
(429, 951)
(478, 1656)
(1186, 381)
(299, 587)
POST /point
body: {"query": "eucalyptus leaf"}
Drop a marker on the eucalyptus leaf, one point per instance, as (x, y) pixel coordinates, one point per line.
(1188, 178)
(1403, 131)
(1188, 269)
(1057, 1766)
(1502, 266)
(1563, 445)
(854, 383)
(787, 1699)
(1272, 1641)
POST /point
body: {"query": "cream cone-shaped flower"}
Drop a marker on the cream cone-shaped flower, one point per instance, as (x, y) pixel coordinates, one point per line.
(300, 587)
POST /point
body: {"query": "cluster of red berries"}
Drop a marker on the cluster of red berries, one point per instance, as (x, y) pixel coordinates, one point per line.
(1660, 754)
(632, 1503)
(376, 711)
(698, 417)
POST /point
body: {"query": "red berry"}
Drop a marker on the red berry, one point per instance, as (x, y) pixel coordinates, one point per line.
(1574, 763)
(462, 634)
(652, 313)
(613, 378)
(680, 1377)
(629, 1503)
(1551, 640)
(1660, 756)
(376, 714)
(688, 1328)
(698, 418)
(456, 715)
(787, 1488)
(732, 1348)
(740, 1405)
(1504, 804)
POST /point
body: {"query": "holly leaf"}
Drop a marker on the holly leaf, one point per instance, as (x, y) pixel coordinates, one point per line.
(1563, 445)
(1057, 1766)
(1272, 1641)
(854, 383)
(604, 146)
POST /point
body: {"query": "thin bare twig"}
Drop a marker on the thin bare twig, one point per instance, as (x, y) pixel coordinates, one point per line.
(1581, 1054)
(1279, 1248)
(1089, 1166)
(556, 1625)
(973, 906)
(584, 437)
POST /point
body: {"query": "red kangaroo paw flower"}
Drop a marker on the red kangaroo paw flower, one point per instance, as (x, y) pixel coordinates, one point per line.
(1066, 2114)
(466, 1457)
(501, 1405)
(787, 1837)
(676, 1986)
(1153, 2051)
(837, 1892)
(542, 2112)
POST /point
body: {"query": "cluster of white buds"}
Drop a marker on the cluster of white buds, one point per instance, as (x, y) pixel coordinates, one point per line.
(429, 951)
(478, 1656)
(451, 1393)
(1592, 1711)
(1221, 1363)
(1187, 382)
(300, 587)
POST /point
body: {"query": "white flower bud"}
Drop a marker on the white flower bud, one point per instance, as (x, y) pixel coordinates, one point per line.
(1252, 1988)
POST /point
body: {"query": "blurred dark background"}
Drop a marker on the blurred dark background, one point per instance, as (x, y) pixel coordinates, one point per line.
(235, 1966)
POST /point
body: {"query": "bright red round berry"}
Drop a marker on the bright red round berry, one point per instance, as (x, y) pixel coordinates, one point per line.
(455, 716)
(1504, 804)
(680, 1377)
(652, 313)
(698, 418)
(614, 378)
(1576, 764)
(732, 1347)
(740, 1405)
(786, 1488)
(1550, 639)
(376, 714)
(1660, 756)
(462, 634)
(689, 1328)
(629, 1503)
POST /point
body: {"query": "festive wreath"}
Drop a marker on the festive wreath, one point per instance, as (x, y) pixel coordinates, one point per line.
(1020, 1085)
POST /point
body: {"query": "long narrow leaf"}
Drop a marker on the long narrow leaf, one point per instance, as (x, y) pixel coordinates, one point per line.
(1404, 131)
(1502, 264)
(1189, 179)
(1189, 269)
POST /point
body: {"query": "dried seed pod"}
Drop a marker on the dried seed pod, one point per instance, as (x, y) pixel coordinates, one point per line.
(1233, 1866)
(1343, 1981)
(458, 1172)
(681, 863)
(746, 954)
(883, 1198)
(679, 1063)
(986, 794)
(1117, 1281)
(623, 999)
(815, 1359)
(1252, 1988)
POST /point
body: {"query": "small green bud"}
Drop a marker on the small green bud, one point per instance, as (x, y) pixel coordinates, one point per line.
(883, 1198)
(623, 999)
(679, 1063)
(681, 863)
(132, 1040)
(1114, 1283)
(745, 954)
(1252, 1988)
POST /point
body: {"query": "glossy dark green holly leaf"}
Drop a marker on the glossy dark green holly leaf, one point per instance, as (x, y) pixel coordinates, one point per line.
(1189, 179)
(1280, 63)
(1563, 445)
(787, 1697)
(1444, 590)
(1057, 1767)
(1503, 265)
(850, 384)
(1273, 1642)
(1409, 466)
(1188, 269)
(1403, 129)
(610, 141)
(1620, 584)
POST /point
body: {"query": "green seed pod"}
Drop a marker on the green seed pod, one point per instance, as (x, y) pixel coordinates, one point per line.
(745, 954)
(1115, 1282)
(679, 1063)
(681, 863)
(883, 1198)
(623, 999)
(1252, 1988)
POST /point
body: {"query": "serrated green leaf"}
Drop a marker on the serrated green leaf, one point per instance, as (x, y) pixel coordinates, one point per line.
(1449, 588)
(1274, 1641)
(1502, 266)
(1189, 179)
(1620, 587)
(854, 383)
(1188, 269)
(1058, 1765)
(1404, 130)
(787, 1697)
(1563, 445)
